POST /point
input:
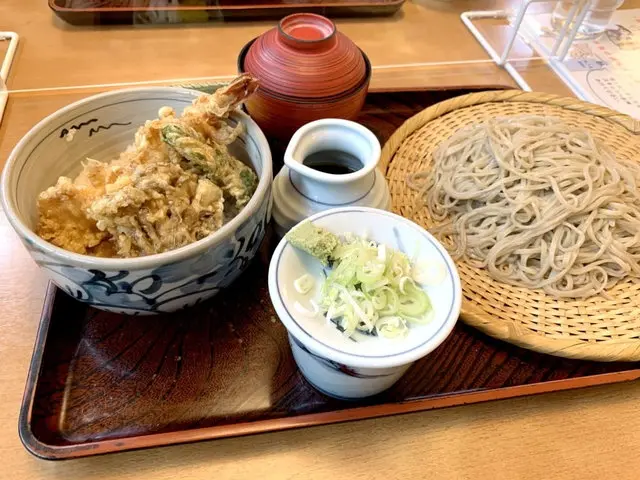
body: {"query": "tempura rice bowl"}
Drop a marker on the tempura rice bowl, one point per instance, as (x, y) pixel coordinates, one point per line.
(104, 125)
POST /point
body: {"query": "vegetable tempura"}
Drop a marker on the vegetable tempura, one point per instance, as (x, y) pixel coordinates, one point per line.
(176, 184)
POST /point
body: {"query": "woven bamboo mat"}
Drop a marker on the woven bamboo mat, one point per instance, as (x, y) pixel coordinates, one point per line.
(597, 328)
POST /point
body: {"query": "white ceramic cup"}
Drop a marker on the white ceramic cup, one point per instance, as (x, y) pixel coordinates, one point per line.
(361, 366)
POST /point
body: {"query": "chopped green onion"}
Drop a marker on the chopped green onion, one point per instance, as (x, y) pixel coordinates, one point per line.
(391, 327)
(305, 311)
(304, 284)
(371, 287)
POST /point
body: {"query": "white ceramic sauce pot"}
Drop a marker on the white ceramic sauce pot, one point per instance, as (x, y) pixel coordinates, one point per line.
(328, 163)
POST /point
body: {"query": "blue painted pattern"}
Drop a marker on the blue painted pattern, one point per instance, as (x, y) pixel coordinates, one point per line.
(175, 285)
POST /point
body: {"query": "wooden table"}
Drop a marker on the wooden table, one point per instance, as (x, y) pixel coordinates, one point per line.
(593, 433)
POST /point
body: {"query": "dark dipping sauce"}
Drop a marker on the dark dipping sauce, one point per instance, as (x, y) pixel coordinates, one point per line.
(334, 162)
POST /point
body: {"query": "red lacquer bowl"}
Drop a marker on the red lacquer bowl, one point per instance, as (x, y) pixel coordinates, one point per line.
(307, 71)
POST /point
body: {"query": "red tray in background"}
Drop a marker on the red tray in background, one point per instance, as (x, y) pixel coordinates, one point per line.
(101, 382)
(96, 12)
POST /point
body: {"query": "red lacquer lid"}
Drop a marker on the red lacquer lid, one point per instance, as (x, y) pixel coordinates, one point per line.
(306, 57)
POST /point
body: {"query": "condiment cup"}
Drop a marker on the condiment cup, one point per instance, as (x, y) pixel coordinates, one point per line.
(363, 365)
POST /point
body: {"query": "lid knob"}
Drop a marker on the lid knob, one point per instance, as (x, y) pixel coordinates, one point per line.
(306, 30)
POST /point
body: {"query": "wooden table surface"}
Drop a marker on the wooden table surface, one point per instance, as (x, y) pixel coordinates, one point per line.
(591, 433)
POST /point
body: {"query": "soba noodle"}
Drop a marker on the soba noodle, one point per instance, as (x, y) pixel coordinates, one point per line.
(537, 203)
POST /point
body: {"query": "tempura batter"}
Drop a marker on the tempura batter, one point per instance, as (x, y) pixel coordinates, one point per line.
(175, 185)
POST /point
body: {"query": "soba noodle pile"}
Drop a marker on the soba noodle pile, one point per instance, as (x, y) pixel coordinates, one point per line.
(537, 203)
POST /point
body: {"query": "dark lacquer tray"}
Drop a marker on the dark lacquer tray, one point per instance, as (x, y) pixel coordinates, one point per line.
(101, 382)
(95, 12)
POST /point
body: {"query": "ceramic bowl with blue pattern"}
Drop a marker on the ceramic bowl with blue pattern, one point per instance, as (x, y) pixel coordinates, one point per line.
(103, 126)
(361, 365)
